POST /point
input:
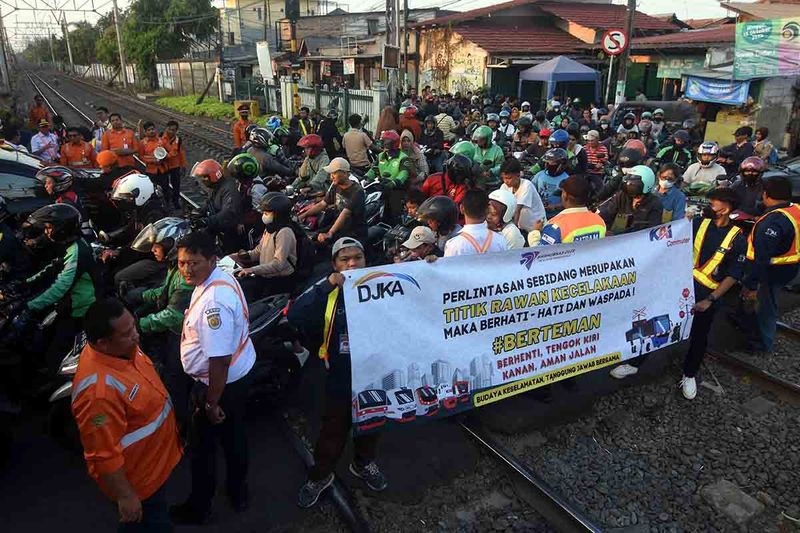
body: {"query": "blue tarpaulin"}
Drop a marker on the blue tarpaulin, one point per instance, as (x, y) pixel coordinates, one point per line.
(719, 91)
(558, 69)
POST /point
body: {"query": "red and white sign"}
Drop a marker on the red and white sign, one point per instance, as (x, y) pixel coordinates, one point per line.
(614, 42)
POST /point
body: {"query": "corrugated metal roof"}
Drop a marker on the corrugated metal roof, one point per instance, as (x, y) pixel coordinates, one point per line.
(764, 11)
(474, 13)
(603, 16)
(688, 38)
(520, 39)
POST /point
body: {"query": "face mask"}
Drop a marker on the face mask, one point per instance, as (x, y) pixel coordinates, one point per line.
(604, 126)
(709, 213)
(658, 120)
(267, 219)
(666, 184)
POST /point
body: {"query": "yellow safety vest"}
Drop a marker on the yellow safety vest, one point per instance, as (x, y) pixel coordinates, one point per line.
(792, 256)
(703, 274)
(327, 331)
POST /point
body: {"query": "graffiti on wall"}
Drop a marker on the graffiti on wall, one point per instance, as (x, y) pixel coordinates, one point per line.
(449, 63)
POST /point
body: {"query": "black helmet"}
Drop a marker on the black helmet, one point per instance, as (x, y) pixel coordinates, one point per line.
(523, 122)
(277, 203)
(555, 161)
(65, 219)
(430, 118)
(681, 135)
(243, 167)
(541, 116)
(629, 157)
(4, 212)
(261, 137)
(442, 209)
(573, 129)
(459, 169)
(629, 116)
(62, 177)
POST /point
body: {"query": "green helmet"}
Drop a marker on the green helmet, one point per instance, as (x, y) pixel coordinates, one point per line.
(644, 173)
(243, 166)
(464, 148)
(482, 132)
(279, 134)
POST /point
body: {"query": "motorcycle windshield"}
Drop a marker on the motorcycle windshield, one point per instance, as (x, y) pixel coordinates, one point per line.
(144, 241)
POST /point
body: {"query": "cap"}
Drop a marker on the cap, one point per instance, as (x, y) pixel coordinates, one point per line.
(106, 158)
(577, 187)
(243, 107)
(44, 122)
(747, 131)
(338, 163)
(419, 236)
(345, 242)
(592, 135)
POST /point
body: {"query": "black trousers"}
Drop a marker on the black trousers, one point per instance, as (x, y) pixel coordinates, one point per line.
(203, 439)
(258, 287)
(174, 179)
(333, 435)
(155, 516)
(164, 350)
(698, 341)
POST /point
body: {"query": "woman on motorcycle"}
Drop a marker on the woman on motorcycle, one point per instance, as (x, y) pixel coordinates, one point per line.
(440, 213)
(432, 139)
(411, 149)
(58, 182)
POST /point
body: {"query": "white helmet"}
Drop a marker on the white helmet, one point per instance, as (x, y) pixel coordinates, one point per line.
(507, 199)
(134, 188)
(158, 232)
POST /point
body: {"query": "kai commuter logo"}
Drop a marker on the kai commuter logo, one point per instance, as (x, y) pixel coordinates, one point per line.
(384, 288)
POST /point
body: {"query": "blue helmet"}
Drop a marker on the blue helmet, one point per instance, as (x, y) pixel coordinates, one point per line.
(559, 138)
(274, 123)
(505, 113)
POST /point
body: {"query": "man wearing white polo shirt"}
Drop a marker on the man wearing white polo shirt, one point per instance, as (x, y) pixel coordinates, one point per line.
(475, 237)
(217, 353)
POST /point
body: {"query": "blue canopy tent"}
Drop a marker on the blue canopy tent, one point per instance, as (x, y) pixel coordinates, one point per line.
(559, 69)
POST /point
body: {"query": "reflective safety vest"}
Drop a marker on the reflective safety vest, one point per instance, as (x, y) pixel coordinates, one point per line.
(480, 249)
(579, 226)
(792, 255)
(327, 331)
(704, 273)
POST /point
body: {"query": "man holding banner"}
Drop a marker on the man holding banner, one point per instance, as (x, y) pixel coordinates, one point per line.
(320, 311)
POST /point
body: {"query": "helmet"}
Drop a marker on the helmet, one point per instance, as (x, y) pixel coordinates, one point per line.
(279, 134)
(313, 142)
(541, 116)
(62, 176)
(277, 203)
(4, 212)
(65, 219)
(261, 137)
(636, 144)
(681, 135)
(556, 104)
(629, 157)
(524, 122)
(482, 132)
(645, 175)
(658, 111)
(555, 161)
(647, 115)
(274, 123)
(708, 148)
(243, 167)
(492, 117)
(166, 231)
(442, 209)
(506, 198)
(459, 169)
(249, 130)
(584, 130)
(430, 118)
(753, 163)
(465, 148)
(390, 139)
(645, 126)
(505, 113)
(573, 128)
(689, 123)
(410, 112)
(106, 158)
(136, 189)
(487, 101)
(525, 104)
(559, 139)
(545, 132)
(629, 116)
(207, 172)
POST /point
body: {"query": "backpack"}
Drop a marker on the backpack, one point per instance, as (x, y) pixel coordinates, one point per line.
(306, 252)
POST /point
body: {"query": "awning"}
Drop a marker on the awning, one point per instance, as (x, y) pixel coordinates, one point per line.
(716, 90)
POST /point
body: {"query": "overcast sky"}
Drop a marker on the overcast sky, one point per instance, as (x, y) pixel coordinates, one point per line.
(682, 8)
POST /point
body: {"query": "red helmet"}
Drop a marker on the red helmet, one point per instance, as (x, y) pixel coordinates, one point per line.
(636, 144)
(410, 112)
(545, 132)
(311, 140)
(753, 163)
(390, 139)
(207, 172)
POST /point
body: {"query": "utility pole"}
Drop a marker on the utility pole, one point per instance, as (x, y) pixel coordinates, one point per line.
(65, 29)
(405, 44)
(622, 75)
(392, 38)
(264, 18)
(122, 68)
(5, 81)
(52, 51)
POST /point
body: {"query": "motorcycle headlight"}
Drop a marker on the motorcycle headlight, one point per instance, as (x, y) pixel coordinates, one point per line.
(70, 364)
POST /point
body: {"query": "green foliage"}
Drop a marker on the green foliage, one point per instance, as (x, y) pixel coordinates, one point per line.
(211, 107)
(106, 48)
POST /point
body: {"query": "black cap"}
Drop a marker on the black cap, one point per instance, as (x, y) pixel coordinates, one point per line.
(578, 187)
(747, 131)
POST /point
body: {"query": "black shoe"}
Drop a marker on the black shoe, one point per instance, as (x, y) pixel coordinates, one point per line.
(240, 499)
(187, 514)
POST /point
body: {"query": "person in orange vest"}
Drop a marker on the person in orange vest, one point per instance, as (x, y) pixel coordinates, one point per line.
(125, 418)
(38, 112)
(175, 162)
(155, 168)
(77, 153)
(773, 255)
(239, 127)
(121, 140)
(575, 222)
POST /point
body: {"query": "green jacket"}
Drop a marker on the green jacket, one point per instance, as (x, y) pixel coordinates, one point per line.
(312, 174)
(71, 281)
(171, 300)
(394, 169)
(494, 154)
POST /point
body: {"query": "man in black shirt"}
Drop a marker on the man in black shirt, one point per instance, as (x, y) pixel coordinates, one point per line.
(742, 148)
(348, 198)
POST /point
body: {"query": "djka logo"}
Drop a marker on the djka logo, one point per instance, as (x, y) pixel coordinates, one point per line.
(383, 289)
(660, 233)
(528, 258)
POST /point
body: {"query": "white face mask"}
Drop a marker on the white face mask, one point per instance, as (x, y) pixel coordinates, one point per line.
(267, 219)
(666, 184)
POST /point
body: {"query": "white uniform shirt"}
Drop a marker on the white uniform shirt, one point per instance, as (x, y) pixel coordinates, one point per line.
(461, 245)
(532, 207)
(39, 141)
(513, 237)
(216, 325)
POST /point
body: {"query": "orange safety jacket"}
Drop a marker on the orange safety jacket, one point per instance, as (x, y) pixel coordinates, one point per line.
(146, 148)
(239, 137)
(792, 255)
(578, 224)
(126, 420)
(122, 139)
(176, 153)
(78, 155)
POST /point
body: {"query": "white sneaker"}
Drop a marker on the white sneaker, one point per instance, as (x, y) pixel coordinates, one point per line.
(688, 387)
(623, 371)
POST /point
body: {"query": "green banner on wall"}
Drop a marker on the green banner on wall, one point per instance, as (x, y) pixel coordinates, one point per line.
(675, 67)
(767, 48)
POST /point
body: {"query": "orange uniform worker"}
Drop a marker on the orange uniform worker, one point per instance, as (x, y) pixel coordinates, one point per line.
(239, 127)
(125, 418)
(77, 153)
(575, 222)
(38, 112)
(121, 141)
(176, 160)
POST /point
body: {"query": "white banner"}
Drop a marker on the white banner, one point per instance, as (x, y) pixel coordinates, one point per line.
(264, 61)
(348, 66)
(431, 340)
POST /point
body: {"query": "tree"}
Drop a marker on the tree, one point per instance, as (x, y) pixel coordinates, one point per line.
(82, 40)
(105, 48)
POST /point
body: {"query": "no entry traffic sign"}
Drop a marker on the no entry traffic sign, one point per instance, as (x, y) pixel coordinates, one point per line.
(614, 42)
